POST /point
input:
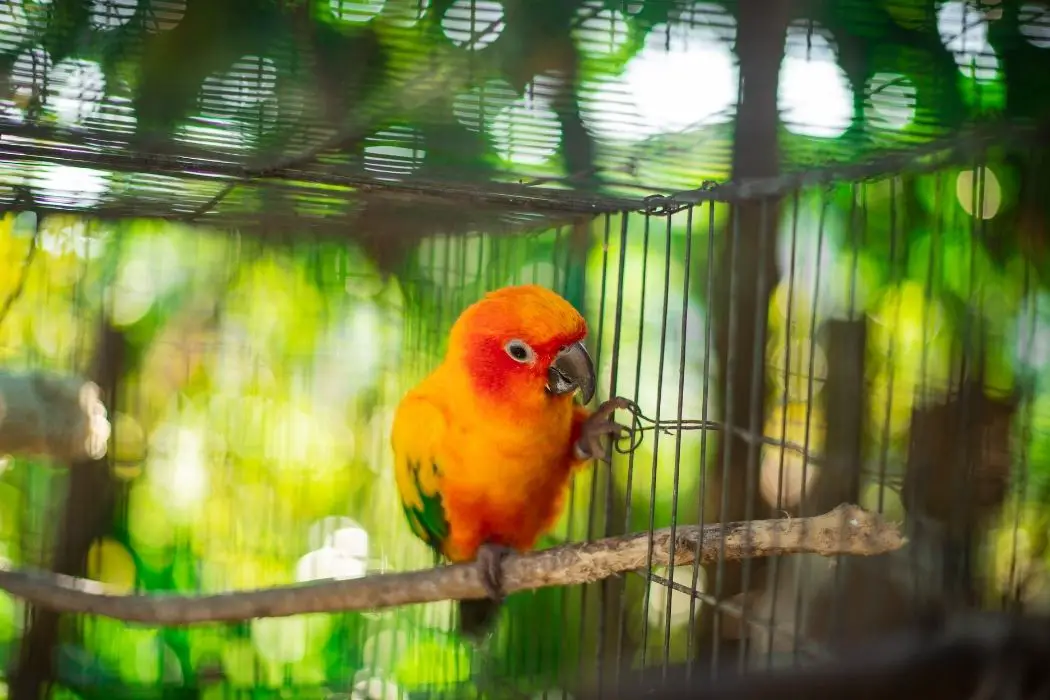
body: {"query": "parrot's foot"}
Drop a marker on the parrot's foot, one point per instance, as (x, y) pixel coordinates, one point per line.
(490, 562)
(597, 426)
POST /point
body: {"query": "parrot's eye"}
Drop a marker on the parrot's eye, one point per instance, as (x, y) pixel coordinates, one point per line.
(519, 350)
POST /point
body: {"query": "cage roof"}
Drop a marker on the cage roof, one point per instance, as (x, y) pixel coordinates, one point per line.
(421, 116)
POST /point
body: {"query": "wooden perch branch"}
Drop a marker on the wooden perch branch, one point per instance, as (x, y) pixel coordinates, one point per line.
(51, 415)
(847, 529)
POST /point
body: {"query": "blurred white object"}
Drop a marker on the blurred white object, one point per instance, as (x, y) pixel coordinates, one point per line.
(43, 414)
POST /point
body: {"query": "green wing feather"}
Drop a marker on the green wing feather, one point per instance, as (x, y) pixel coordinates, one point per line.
(427, 516)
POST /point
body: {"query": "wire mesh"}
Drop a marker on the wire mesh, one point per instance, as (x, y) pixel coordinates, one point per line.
(260, 380)
(312, 111)
(647, 282)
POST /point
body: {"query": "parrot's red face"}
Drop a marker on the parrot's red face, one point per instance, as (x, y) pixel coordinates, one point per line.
(524, 341)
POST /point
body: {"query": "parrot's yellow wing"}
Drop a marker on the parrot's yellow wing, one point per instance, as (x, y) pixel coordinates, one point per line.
(418, 431)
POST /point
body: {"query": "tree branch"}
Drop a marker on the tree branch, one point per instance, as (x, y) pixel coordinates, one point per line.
(847, 529)
(51, 415)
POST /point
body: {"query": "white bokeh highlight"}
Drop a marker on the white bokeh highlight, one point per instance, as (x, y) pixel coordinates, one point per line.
(376, 688)
(527, 131)
(1034, 24)
(662, 596)
(249, 81)
(341, 554)
(177, 468)
(473, 24)
(979, 184)
(891, 101)
(477, 108)
(76, 90)
(70, 186)
(650, 98)
(14, 26)
(355, 10)
(110, 14)
(30, 68)
(249, 84)
(599, 30)
(394, 153)
(815, 98)
(134, 292)
(1031, 339)
(964, 32)
(213, 132)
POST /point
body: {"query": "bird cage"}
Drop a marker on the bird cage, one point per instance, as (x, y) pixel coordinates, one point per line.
(235, 233)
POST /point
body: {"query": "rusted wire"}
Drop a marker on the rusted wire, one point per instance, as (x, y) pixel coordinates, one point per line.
(641, 423)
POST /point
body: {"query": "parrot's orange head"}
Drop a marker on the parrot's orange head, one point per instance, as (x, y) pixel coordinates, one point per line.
(524, 341)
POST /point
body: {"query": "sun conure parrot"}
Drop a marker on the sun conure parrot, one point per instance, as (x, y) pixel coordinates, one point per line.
(484, 447)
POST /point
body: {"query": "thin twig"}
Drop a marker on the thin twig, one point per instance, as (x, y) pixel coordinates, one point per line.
(845, 530)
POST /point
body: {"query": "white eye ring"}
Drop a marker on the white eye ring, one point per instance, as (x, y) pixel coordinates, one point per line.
(519, 351)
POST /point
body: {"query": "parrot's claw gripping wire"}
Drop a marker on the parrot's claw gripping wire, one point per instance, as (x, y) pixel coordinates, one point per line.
(600, 424)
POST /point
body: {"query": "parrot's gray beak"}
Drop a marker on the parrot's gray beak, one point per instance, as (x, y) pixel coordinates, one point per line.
(572, 369)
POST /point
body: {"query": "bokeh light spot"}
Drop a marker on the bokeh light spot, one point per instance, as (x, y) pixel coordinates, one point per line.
(355, 10)
(65, 185)
(599, 30)
(979, 184)
(1034, 21)
(527, 131)
(394, 153)
(14, 25)
(477, 108)
(473, 24)
(133, 292)
(329, 563)
(110, 14)
(964, 32)
(287, 640)
(662, 596)
(177, 467)
(249, 81)
(649, 100)
(814, 95)
(891, 100)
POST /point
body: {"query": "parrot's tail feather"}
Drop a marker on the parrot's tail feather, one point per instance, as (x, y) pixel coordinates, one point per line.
(478, 617)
